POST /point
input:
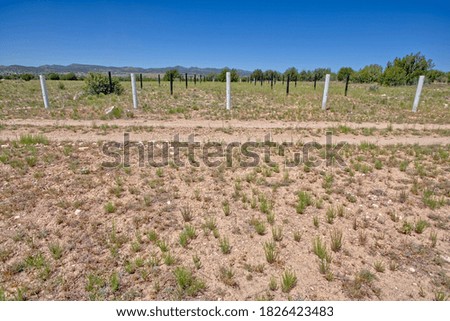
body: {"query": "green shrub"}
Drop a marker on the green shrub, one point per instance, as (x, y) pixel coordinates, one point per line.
(27, 77)
(172, 72)
(69, 76)
(52, 76)
(96, 84)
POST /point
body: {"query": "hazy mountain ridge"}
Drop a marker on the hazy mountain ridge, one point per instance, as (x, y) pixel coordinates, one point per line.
(84, 69)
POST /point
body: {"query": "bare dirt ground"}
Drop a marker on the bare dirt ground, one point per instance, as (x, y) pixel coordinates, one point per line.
(227, 131)
(72, 229)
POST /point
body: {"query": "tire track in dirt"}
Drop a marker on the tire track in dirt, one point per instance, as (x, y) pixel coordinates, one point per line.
(188, 123)
(240, 135)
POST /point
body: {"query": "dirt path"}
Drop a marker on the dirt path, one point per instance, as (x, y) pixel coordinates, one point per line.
(233, 131)
(187, 123)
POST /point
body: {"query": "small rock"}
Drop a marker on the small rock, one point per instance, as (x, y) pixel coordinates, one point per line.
(5, 146)
(168, 202)
(77, 211)
(83, 148)
(446, 258)
(17, 217)
(412, 270)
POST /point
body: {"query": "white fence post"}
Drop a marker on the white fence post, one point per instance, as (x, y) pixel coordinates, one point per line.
(133, 89)
(418, 91)
(44, 91)
(228, 90)
(325, 91)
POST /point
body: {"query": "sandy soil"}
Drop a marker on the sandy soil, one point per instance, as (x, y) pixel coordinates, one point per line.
(62, 199)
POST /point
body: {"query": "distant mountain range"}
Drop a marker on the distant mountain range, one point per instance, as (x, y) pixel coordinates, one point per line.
(84, 69)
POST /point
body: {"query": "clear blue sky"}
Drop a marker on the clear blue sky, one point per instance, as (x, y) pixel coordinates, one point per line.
(240, 34)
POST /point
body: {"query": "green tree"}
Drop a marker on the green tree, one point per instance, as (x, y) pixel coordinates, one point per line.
(436, 76)
(96, 84)
(344, 72)
(292, 73)
(369, 74)
(211, 76)
(53, 76)
(69, 76)
(306, 75)
(223, 75)
(268, 74)
(257, 74)
(174, 72)
(321, 72)
(406, 70)
(27, 77)
(393, 76)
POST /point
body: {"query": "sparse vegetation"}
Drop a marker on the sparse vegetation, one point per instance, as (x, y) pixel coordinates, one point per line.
(420, 226)
(225, 246)
(288, 281)
(384, 211)
(304, 200)
(188, 284)
(336, 240)
(270, 252)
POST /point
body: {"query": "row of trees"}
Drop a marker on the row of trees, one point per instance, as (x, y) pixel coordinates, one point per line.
(50, 76)
(175, 74)
(293, 73)
(400, 71)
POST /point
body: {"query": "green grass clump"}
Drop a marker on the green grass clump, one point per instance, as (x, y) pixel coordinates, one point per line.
(277, 233)
(331, 215)
(336, 240)
(225, 246)
(56, 250)
(94, 286)
(420, 226)
(320, 249)
(226, 208)
(288, 281)
(187, 283)
(304, 200)
(431, 201)
(110, 207)
(270, 252)
(407, 228)
(259, 226)
(29, 139)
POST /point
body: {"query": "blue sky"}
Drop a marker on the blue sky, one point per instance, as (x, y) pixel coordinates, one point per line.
(240, 34)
